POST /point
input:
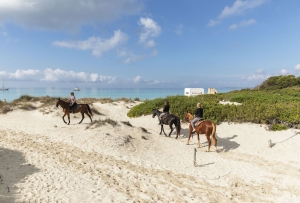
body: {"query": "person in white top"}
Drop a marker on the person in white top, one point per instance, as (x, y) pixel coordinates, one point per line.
(72, 102)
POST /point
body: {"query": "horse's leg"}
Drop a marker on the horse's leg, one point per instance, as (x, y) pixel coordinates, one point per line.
(82, 117)
(213, 134)
(208, 140)
(171, 124)
(64, 118)
(198, 136)
(68, 118)
(190, 133)
(163, 130)
(89, 116)
(178, 127)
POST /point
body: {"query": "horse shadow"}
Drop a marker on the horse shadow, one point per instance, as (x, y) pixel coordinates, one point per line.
(184, 132)
(13, 169)
(227, 143)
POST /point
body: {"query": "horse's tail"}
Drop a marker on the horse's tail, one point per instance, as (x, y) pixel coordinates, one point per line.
(213, 133)
(178, 126)
(89, 110)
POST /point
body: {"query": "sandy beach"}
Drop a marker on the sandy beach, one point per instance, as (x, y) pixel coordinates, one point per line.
(122, 159)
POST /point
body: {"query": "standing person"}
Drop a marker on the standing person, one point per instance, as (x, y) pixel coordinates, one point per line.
(72, 102)
(198, 116)
(165, 110)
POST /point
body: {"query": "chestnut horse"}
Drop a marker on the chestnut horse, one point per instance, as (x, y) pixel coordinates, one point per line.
(168, 119)
(206, 127)
(82, 108)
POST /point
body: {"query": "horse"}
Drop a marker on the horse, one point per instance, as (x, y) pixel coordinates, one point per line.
(205, 127)
(168, 119)
(82, 108)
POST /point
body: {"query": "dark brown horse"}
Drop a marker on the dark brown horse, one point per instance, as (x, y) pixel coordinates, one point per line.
(82, 108)
(206, 127)
(168, 119)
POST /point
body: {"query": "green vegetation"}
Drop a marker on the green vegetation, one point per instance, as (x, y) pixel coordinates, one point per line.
(275, 102)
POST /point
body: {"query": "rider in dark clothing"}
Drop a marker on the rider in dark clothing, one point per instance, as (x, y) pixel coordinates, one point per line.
(199, 112)
(165, 110)
(198, 115)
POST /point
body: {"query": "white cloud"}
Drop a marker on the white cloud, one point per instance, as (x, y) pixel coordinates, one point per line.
(5, 34)
(284, 72)
(256, 77)
(240, 7)
(96, 44)
(297, 67)
(131, 58)
(29, 74)
(212, 22)
(179, 29)
(137, 79)
(260, 70)
(107, 79)
(150, 29)
(244, 23)
(233, 27)
(94, 77)
(65, 14)
(54, 75)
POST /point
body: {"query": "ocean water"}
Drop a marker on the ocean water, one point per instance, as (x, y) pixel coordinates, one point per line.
(113, 93)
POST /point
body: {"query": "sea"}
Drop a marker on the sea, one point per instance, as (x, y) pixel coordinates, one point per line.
(113, 93)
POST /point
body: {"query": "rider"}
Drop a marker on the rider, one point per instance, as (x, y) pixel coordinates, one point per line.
(165, 110)
(198, 116)
(72, 102)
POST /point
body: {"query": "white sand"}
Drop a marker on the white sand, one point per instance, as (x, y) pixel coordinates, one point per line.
(44, 160)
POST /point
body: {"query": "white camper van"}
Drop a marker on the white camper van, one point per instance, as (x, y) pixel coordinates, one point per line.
(193, 91)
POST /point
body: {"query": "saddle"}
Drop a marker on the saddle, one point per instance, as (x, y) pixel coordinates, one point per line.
(198, 122)
(164, 117)
(75, 107)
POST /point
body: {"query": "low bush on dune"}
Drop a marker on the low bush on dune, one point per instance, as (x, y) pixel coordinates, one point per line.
(126, 123)
(105, 100)
(98, 123)
(27, 107)
(126, 100)
(277, 107)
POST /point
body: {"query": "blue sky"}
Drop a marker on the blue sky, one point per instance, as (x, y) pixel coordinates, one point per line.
(150, 43)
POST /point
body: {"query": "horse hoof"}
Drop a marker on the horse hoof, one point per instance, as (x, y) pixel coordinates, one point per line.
(187, 143)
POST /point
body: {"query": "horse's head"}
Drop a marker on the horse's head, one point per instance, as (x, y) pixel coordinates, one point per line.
(154, 112)
(57, 102)
(188, 115)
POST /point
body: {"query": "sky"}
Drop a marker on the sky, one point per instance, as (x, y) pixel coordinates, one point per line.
(148, 43)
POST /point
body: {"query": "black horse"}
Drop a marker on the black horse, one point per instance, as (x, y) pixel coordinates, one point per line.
(168, 119)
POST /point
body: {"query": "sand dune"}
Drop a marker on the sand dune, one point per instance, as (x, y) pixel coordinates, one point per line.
(44, 160)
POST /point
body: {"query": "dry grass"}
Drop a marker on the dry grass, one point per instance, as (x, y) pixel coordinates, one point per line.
(126, 123)
(27, 106)
(98, 123)
(126, 100)
(105, 100)
(5, 109)
(26, 102)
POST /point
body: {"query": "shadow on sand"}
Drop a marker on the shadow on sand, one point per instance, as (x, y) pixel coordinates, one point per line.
(227, 143)
(13, 168)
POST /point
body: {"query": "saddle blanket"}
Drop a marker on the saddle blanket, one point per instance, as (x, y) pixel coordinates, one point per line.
(199, 122)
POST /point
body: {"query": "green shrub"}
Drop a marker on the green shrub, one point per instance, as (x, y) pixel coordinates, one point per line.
(278, 127)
